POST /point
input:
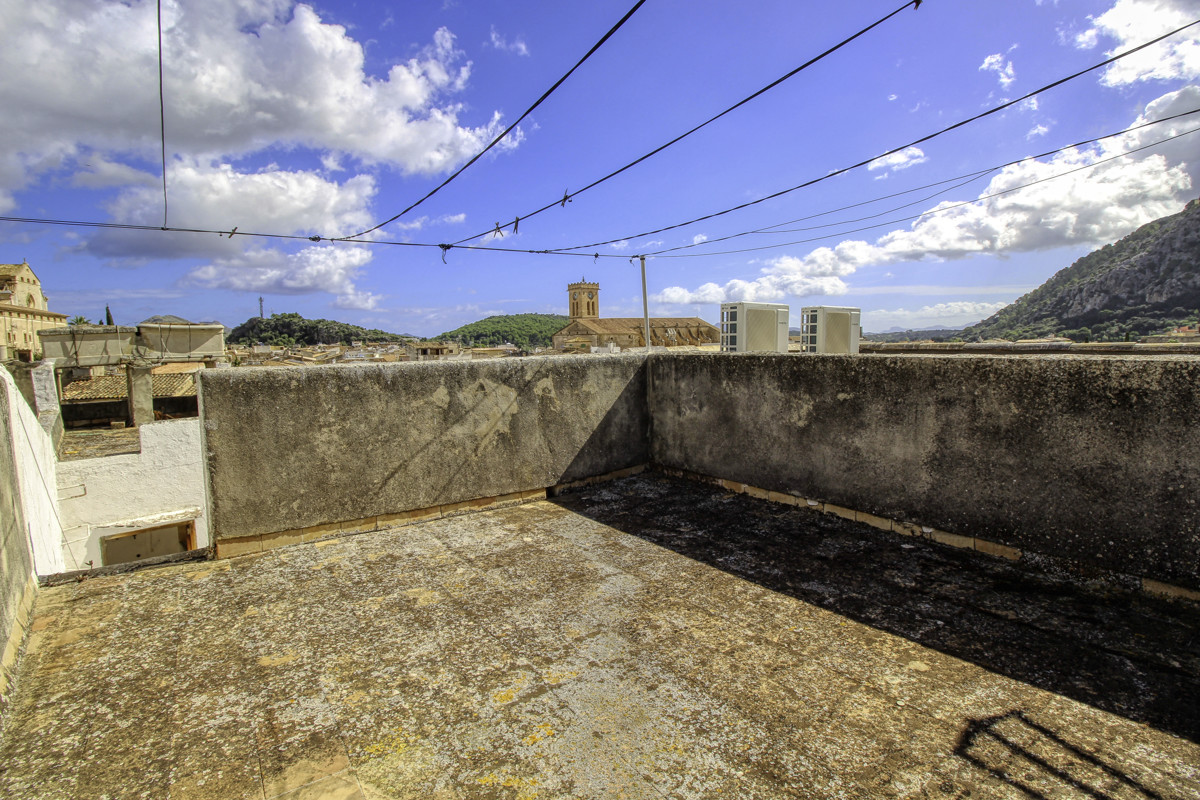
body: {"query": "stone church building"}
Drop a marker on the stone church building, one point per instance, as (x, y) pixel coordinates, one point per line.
(24, 310)
(588, 329)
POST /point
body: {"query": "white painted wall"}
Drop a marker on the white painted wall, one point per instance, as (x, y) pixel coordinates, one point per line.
(35, 461)
(163, 483)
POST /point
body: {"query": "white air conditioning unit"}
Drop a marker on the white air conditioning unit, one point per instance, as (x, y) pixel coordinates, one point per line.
(830, 329)
(754, 328)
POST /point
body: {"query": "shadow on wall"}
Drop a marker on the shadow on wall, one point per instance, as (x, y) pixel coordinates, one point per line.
(1135, 656)
(623, 429)
(339, 444)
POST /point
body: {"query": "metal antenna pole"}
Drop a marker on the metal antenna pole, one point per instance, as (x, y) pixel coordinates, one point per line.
(645, 304)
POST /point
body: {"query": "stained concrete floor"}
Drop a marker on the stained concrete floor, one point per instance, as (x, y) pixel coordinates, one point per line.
(565, 649)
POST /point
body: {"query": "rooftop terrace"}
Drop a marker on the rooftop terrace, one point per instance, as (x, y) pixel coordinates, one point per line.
(884, 576)
(644, 638)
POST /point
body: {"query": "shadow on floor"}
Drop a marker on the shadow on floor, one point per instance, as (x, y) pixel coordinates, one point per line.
(1043, 763)
(1122, 652)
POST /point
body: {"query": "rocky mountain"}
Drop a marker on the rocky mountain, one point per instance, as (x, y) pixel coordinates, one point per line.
(1145, 283)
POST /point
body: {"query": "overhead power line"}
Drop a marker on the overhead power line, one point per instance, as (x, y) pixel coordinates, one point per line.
(511, 127)
(569, 196)
(935, 211)
(236, 231)
(956, 182)
(162, 114)
(446, 248)
(893, 151)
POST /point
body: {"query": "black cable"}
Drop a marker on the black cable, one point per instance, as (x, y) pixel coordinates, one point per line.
(162, 115)
(509, 129)
(934, 211)
(569, 196)
(445, 248)
(894, 150)
(965, 179)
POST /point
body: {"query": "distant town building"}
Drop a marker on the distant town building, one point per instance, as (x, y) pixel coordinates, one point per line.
(135, 350)
(587, 329)
(24, 310)
(1183, 333)
(432, 351)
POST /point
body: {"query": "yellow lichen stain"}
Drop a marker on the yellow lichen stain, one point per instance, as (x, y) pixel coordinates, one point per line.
(524, 786)
(327, 562)
(919, 666)
(555, 678)
(424, 597)
(543, 731)
(325, 542)
(276, 661)
(393, 743)
(508, 695)
(252, 611)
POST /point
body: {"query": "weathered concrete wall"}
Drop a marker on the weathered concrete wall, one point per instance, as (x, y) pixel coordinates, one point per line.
(163, 483)
(1090, 459)
(17, 580)
(293, 448)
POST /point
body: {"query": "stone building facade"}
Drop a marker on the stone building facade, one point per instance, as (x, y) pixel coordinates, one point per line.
(587, 329)
(24, 310)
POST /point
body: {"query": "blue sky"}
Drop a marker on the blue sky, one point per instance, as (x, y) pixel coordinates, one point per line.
(326, 118)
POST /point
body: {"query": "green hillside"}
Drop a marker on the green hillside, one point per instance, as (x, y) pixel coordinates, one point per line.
(526, 331)
(1145, 283)
(292, 329)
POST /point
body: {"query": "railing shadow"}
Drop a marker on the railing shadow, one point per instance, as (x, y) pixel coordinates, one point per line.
(1043, 763)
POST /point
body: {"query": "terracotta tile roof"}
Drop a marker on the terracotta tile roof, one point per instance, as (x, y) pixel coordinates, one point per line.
(635, 324)
(177, 368)
(112, 387)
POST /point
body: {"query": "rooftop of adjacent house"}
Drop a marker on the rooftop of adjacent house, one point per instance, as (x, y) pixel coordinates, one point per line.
(114, 387)
(81, 443)
(644, 638)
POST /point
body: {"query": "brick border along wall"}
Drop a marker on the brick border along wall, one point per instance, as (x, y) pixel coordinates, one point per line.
(1088, 459)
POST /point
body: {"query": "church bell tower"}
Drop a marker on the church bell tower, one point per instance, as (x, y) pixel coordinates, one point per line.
(583, 299)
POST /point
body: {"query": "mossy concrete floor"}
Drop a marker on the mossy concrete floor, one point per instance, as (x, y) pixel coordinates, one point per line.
(566, 649)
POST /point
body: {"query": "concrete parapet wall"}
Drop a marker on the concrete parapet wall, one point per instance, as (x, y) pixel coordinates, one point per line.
(17, 579)
(1088, 459)
(289, 449)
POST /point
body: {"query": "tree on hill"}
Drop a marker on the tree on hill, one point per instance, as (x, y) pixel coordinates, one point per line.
(288, 330)
(526, 331)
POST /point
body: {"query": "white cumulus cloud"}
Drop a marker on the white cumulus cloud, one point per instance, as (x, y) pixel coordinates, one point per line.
(217, 196)
(908, 157)
(1003, 68)
(955, 314)
(325, 268)
(241, 78)
(1090, 207)
(1132, 22)
(499, 42)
